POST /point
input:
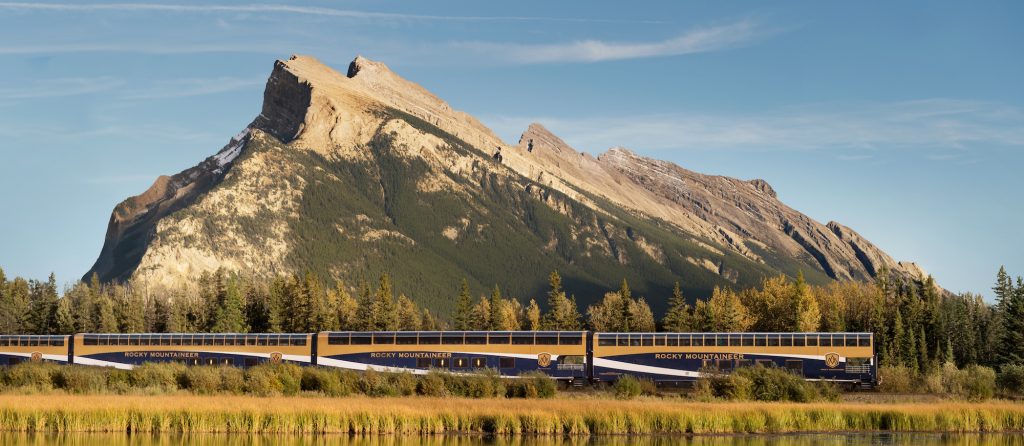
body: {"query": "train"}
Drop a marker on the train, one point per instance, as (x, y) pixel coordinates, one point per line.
(572, 357)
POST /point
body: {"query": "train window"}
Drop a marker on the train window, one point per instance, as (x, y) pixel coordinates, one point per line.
(430, 339)
(766, 363)
(499, 339)
(3, 342)
(812, 340)
(452, 338)
(230, 339)
(659, 340)
(773, 340)
(698, 341)
(706, 364)
(274, 340)
(383, 338)
(405, 338)
(745, 363)
(250, 362)
(218, 340)
(725, 365)
(506, 363)
(261, 340)
(165, 340)
(734, 340)
(864, 340)
(133, 340)
(122, 340)
(423, 363)
(622, 340)
(176, 340)
(251, 340)
(570, 339)
(337, 339)
(684, 340)
(825, 340)
(721, 340)
(522, 338)
(673, 340)
(476, 339)
(33, 341)
(760, 340)
(460, 363)
(441, 363)
(479, 363)
(210, 361)
(795, 366)
(634, 340)
(361, 339)
(799, 340)
(748, 340)
(203, 340)
(851, 341)
(547, 340)
(647, 340)
(787, 340)
(606, 340)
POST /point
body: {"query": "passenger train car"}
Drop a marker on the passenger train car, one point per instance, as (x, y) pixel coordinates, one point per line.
(681, 357)
(125, 351)
(560, 355)
(16, 349)
(572, 356)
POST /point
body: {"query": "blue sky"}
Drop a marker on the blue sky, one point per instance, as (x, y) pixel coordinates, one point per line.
(902, 120)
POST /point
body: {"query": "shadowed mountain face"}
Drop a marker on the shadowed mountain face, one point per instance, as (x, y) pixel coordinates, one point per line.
(353, 175)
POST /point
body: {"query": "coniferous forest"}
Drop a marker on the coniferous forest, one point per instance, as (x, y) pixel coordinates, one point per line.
(917, 325)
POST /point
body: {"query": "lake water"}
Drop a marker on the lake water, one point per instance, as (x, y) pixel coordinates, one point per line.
(8, 439)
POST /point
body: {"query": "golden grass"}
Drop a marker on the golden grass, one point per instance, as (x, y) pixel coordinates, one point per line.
(421, 415)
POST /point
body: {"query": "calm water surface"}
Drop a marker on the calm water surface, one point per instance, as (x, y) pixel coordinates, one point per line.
(8, 439)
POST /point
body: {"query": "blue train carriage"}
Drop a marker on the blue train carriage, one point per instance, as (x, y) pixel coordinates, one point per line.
(560, 355)
(675, 358)
(125, 351)
(15, 349)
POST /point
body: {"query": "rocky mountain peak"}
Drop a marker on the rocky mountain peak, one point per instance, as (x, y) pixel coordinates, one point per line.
(367, 158)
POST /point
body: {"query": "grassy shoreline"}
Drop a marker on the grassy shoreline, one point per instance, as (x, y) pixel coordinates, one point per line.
(423, 415)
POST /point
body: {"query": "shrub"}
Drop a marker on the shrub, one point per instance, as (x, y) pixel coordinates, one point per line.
(762, 384)
(118, 381)
(627, 387)
(1011, 379)
(33, 375)
(232, 380)
(375, 383)
(896, 379)
(974, 382)
(262, 380)
(203, 380)
(81, 379)
(165, 377)
(432, 384)
(326, 381)
(532, 385)
(403, 383)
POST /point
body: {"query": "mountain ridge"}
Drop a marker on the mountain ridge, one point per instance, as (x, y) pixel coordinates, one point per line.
(395, 146)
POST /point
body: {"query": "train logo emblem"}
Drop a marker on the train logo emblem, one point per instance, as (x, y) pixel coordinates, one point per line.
(37, 357)
(544, 359)
(275, 358)
(832, 360)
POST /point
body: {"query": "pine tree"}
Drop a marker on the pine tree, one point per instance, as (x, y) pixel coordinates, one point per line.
(103, 317)
(679, 317)
(896, 344)
(43, 306)
(626, 308)
(463, 308)
(408, 315)
(429, 323)
(386, 316)
(348, 309)
(366, 310)
(64, 318)
(532, 316)
(230, 316)
(1010, 304)
(562, 312)
(498, 319)
(805, 307)
(481, 315)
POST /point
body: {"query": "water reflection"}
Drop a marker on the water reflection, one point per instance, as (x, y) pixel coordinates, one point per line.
(10, 439)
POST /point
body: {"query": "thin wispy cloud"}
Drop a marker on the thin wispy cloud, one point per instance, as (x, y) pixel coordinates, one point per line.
(942, 127)
(53, 88)
(275, 9)
(701, 40)
(194, 87)
(142, 48)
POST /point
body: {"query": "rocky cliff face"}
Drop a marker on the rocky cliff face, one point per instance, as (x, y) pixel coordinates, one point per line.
(349, 175)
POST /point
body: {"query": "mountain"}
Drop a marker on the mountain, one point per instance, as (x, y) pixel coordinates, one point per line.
(351, 175)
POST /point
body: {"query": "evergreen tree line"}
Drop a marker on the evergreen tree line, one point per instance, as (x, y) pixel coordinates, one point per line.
(915, 323)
